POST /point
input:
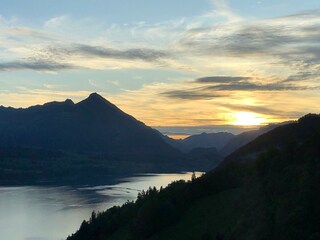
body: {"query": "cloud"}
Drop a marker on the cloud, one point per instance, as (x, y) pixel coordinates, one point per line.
(22, 32)
(55, 22)
(248, 86)
(221, 79)
(223, 9)
(34, 65)
(144, 54)
(190, 95)
(265, 110)
(303, 76)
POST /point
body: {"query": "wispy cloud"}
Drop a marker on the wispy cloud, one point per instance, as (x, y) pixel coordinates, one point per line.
(34, 65)
(221, 79)
(55, 21)
(191, 94)
(262, 109)
(247, 86)
(25, 32)
(303, 76)
(144, 54)
(223, 9)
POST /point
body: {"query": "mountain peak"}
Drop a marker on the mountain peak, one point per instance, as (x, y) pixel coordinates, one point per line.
(95, 98)
(96, 101)
(94, 94)
(69, 102)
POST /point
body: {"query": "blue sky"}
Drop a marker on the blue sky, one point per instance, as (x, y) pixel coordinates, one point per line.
(125, 11)
(198, 62)
(111, 11)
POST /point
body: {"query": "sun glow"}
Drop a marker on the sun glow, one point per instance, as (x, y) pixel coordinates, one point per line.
(247, 119)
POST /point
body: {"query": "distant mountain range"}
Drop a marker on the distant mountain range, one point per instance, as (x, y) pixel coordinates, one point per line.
(224, 142)
(267, 189)
(203, 140)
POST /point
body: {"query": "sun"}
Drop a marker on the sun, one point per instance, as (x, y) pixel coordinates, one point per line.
(247, 119)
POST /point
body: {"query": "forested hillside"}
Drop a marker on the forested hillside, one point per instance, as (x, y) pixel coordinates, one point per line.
(274, 196)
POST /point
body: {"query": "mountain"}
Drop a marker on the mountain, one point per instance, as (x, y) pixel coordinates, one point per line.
(203, 140)
(92, 125)
(245, 137)
(274, 194)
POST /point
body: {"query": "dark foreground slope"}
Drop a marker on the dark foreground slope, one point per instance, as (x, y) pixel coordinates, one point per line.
(88, 142)
(276, 196)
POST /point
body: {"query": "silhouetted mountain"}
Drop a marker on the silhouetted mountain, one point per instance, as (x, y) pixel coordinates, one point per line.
(244, 138)
(203, 140)
(273, 195)
(92, 125)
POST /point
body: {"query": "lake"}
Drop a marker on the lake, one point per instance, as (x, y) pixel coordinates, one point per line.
(53, 213)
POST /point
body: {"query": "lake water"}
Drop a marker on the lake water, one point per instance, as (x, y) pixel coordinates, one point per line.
(53, 213)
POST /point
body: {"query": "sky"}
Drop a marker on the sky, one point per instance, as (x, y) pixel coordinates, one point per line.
(183, 63)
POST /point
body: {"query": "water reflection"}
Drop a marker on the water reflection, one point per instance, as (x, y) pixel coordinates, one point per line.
(52, 213)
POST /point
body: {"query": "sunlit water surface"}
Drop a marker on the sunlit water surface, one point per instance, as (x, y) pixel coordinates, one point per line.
(53, 213)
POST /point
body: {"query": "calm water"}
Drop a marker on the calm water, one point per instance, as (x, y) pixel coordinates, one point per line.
(52, 213)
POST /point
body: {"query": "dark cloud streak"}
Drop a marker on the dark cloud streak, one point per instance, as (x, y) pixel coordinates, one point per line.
(35, 65)
(221, 79)
(191, 95)
(130, 54)
(247, 86)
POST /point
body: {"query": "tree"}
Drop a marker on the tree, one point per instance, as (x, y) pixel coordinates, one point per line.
(193, 176)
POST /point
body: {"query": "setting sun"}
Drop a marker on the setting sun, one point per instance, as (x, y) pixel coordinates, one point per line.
(247, 119)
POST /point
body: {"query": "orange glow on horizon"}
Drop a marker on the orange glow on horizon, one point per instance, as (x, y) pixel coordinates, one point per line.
(177, 137)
